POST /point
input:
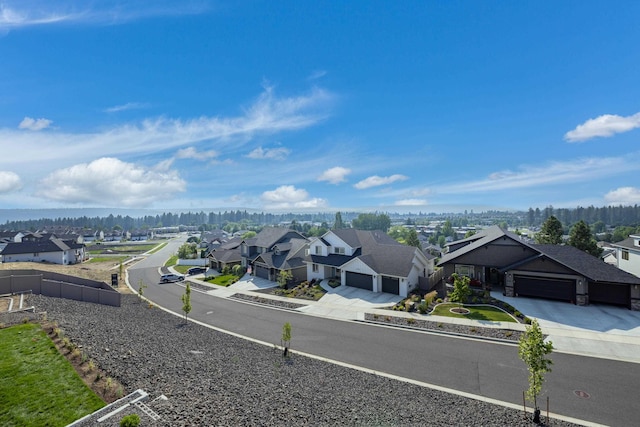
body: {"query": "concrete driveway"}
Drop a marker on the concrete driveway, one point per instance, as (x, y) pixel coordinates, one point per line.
(596, 330)
(349, 296)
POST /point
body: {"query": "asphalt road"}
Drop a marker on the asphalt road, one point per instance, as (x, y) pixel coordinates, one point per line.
(474, 366)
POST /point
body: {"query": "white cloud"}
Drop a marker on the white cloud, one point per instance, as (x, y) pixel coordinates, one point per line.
(411, 202)
(288, 196)
(125, 107)
(9, 181)
(34, 124)
(110, 182)
(578, 170)
(267, 115)
(20, 13)
(192, 153)
(603, 126)
(623, 196)
(317, 74)
(335, 175)
(376, 181)
(270, 153)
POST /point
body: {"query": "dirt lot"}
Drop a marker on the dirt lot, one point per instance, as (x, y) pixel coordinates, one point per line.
(100, 271)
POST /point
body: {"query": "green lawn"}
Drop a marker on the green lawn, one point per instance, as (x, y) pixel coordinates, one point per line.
(182, 269)
(483, 312)
(224, 280)
(171, 261)
(38, 386)
(113, 259)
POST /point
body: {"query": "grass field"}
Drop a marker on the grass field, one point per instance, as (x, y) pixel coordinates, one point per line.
(38, 386)
(482, 312)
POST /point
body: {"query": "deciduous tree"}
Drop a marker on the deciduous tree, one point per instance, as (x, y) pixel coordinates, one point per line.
(533, 351)
(461, 290)
(186, 301)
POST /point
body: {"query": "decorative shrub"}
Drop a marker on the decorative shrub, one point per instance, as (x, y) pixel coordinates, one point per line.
(131, 420)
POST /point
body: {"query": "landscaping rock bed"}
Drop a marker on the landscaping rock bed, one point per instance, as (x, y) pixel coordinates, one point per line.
(452, 328)
(268, 301)
(211, 378)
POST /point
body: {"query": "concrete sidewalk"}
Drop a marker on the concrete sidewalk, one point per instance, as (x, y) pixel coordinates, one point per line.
(598, 331)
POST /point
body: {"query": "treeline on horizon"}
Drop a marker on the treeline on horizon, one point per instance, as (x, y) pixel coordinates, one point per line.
(609, 216)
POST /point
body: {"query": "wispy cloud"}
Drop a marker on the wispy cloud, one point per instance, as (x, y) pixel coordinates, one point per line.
(110, 182)
(376, 181)
(623, 196)
(603, 126)
(335, 175)
(411, 202)
(34, 124)
(9, 182)
(15, 14)
(317, 74)
(288, 197)
(192, 153)
(267, 115)
(280, 153)
(578, 170)
(125, 107)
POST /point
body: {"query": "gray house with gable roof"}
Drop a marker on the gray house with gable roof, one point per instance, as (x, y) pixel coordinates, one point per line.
(498, 258)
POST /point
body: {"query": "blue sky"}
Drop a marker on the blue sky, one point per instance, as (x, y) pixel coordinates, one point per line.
(311, 105)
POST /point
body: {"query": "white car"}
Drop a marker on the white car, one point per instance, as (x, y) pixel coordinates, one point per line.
(166, 278)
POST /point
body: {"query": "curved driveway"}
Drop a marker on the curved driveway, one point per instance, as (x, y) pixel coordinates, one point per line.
(479, 367)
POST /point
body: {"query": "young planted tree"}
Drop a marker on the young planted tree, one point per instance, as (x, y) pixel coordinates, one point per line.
(283, 278)
(141, 288)
(186, 302)
(286, 338)
(533, 351)
(461, 290)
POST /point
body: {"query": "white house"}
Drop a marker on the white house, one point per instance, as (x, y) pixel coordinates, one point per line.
(628, 254)
(53, 250)
(370, 260)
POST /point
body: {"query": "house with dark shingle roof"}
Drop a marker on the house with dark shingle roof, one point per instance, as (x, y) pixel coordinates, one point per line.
(51, 250)
(225, 255)
(370, 260)
(272, 250)
(498, 258)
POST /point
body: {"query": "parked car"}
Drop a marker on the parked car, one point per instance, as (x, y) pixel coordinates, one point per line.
(166, 278)
(196, 270)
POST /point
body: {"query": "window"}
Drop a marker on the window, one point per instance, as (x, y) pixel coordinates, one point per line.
(318, 250)
(625, 255)
(314, 268)
(465, 270)
(338, 250)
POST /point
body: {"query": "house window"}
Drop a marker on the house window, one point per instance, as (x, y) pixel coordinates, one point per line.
(318, 250)
(625, 255)
(314, 268)
(338, 250)
(465, 270)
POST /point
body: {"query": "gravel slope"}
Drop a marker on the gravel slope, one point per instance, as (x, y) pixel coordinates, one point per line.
(212, 378)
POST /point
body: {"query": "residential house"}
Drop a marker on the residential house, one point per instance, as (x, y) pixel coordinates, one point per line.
(628, 254)
(225, 255)
(498, 258)
(51, 250)
(370, 260)
(273, 250)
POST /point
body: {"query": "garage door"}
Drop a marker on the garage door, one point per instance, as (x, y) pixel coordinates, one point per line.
(610, 293)
(564, 290)
(358, 280)
(391, 285)
(262, 272)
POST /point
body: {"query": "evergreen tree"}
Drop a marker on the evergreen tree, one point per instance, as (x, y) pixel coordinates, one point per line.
(338, 224)
(581, 238)
(551, 232)
(412, 238)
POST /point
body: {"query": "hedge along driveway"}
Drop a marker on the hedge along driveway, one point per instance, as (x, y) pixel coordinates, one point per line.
(38, 386)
